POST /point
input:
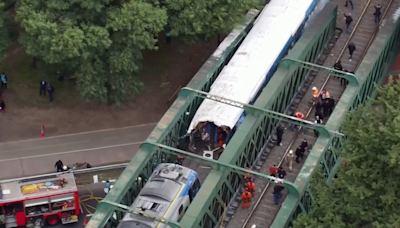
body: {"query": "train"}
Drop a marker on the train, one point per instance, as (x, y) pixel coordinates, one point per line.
(167, 194)
(275, 31)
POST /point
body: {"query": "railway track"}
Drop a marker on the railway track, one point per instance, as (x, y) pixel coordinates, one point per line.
(262, 212)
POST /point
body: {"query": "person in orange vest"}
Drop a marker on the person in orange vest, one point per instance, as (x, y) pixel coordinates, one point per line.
(246, 196)
(298, 115)
(252, 187)
(315, 95)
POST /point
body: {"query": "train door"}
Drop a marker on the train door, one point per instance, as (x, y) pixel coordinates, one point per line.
(194, 190)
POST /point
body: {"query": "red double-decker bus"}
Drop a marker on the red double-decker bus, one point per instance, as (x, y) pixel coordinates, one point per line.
(35, 202)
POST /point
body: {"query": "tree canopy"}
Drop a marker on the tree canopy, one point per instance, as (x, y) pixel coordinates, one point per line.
(4, 39)
(366, 192)
(101, 41)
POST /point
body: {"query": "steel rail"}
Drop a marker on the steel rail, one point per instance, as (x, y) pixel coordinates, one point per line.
(322, 88)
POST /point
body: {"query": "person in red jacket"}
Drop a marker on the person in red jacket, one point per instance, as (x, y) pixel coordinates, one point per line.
(246, 196)
(252, 187)
(273, 170)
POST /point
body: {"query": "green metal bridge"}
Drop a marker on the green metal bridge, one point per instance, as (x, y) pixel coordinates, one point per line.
(225, 174)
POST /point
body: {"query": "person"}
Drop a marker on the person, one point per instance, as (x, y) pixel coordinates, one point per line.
(2, 106)
(3, 81)
(304, 145)
(50, 90)
(108, 187)
(59, 166)
(338, 66)
(222, 137)
(289, 160)
(277, 193)
(331, 105)
(252, 187)
(299, 153)
(279, 134)
(246, 196)
(299, 115)
(281, 173)
(180, 160)
(317, 121)
(348, 20)
(319, 110)
(315, 95)
(349, 2)
(352, 48)
(325, 107)
(247, 177)
(42, 88)
(273, 170)
(377, 13)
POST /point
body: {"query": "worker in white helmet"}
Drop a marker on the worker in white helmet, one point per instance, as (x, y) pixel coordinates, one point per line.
(289, 160)
(315, 94)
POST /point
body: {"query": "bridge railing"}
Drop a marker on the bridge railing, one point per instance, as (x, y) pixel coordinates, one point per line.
(373, 69)
(247, 144)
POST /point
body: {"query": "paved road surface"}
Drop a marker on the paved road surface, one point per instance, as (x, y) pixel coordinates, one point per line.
(38, 156)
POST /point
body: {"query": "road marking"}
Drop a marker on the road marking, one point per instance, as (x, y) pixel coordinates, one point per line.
(110, 138)
(42, 147)
(73, 151)
(83, 133)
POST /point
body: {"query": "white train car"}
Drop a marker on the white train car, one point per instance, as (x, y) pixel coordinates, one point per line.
(274, 33)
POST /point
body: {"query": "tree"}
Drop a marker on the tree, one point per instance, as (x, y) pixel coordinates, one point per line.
(205, 17)
(4, 38)
(100, 40)
(366, 192)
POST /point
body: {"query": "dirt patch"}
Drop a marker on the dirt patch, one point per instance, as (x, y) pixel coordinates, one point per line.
(164, 72)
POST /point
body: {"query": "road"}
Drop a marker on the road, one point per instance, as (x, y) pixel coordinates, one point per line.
(38, 156)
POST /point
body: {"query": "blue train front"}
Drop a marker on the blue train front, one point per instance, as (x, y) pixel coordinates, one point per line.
(167, 194)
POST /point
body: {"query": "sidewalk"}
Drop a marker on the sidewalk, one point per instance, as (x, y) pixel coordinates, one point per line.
(38, 156)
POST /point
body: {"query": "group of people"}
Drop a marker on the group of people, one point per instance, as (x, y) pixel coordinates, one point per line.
(377, 13)
(249, 190)
(46, 87)
(280, 174)
(338, 66)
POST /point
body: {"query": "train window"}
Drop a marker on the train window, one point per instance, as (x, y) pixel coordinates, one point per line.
(181, 209)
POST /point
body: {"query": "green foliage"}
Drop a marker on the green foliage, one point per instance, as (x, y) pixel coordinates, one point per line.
(4, 35)
(100, 40)
(205, 17)
(366, 193)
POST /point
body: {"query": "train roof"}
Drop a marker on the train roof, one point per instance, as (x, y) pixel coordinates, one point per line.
(245, 74)
(14, 190)
(160, 191)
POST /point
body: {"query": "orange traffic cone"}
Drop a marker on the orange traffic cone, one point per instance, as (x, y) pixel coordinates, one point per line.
(42, 132)
(85, 222)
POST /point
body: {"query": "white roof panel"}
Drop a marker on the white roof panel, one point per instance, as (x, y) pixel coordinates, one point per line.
(244, 75)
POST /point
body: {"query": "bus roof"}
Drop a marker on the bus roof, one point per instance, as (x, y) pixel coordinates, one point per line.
(36, 187)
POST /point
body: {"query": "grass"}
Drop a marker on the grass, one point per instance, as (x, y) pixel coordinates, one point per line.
(24, 82)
